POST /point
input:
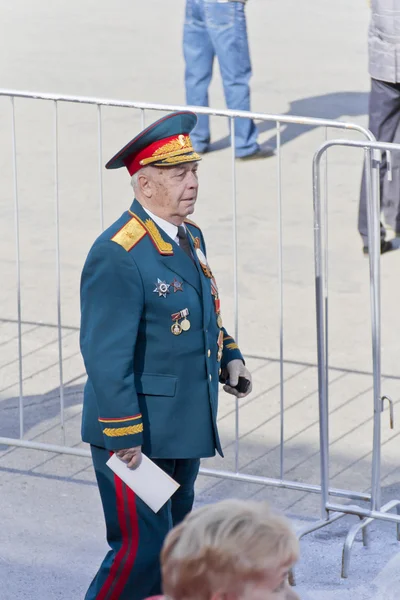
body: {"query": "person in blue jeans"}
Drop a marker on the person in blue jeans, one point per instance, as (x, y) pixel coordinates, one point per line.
(218, 28)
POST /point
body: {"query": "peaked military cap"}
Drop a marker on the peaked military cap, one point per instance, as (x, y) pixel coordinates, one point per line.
(164, 143)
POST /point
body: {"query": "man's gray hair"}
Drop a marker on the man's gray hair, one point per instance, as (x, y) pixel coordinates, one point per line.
(135, 177)
(134, 180)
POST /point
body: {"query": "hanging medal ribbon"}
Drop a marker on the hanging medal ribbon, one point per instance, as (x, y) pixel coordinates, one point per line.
(201, 256)
(207, 272)
(203, 263)
(214, 288)
(220, 344)
(217, 302)
(177, 327)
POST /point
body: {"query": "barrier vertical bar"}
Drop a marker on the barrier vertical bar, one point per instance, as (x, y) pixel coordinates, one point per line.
(235, 279)
(234, 226)
(100, 148)
(18, 265)
(319, 297)
(280, 284)
(58, 267)
(326, 272)
(373, 214)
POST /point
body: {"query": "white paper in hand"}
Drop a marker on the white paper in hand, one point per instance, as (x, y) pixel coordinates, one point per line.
(148, 481)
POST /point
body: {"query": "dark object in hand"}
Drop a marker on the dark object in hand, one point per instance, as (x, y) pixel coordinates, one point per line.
(242, 385)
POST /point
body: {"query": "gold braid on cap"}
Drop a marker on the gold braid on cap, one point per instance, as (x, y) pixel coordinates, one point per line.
(180, 159)
(180, 145)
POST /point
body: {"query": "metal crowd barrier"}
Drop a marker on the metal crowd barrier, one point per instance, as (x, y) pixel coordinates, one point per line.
(376, 510)
(331, 512)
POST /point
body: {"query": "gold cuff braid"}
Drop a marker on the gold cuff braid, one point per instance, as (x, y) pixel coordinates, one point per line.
(232, 346)
(120, 431)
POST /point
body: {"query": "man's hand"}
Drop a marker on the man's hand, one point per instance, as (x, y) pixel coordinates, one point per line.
(237, 369)
(132, 456)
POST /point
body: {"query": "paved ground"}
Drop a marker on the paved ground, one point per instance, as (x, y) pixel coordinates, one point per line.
(308, 60)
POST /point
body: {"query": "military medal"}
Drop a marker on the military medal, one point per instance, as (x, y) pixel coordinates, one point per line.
(176, 328)
(217, 304)
(162, 288)
(177, 286)
(184, 325)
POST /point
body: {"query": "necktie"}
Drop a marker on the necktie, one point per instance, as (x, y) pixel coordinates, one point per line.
(184, 242)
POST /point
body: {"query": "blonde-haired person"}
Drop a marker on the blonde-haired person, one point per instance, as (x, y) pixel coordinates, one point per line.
(232, 550)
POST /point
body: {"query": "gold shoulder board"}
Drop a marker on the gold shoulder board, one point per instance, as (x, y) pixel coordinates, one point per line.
(192, 223)
(152, 230)
(130, 234)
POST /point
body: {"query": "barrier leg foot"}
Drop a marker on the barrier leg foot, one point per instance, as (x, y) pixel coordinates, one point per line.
(362, 526)
(365, 537)
(335, 516)
(348, 544)
(389, 506)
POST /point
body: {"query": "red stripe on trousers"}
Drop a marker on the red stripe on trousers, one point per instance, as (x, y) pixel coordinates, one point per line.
(133, 547)
(125, 540)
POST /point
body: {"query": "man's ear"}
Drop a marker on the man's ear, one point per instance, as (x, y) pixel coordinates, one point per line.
(145, 185)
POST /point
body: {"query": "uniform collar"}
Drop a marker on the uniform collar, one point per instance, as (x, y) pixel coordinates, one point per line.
(169, 228)
(156, 227)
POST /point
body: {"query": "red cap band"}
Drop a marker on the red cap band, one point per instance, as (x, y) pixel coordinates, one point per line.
(158, 151)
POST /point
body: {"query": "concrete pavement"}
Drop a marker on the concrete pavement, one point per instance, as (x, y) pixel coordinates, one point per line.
(308, 60)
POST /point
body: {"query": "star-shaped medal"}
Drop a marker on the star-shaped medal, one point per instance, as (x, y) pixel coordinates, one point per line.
(177, 286)
(162, 288)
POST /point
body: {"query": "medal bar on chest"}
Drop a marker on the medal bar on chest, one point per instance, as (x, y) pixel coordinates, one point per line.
(217, 301)
(184, 325)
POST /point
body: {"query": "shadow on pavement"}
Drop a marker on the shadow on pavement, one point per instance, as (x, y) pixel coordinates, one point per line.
(334, 106)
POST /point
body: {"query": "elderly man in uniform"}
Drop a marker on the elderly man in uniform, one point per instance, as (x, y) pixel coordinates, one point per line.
(154, 349)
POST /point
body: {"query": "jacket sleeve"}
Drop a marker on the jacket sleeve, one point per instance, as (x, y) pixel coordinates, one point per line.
(230, 350)
(112, 300)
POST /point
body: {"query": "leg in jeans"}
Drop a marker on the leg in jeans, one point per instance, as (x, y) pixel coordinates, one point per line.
(199, 57)
(226, 24)
(384, 119)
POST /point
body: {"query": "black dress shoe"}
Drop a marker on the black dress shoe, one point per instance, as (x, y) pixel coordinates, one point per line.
(260, 153)
(386, 246)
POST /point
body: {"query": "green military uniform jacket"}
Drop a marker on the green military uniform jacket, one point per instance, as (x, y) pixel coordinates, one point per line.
(147, 386)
